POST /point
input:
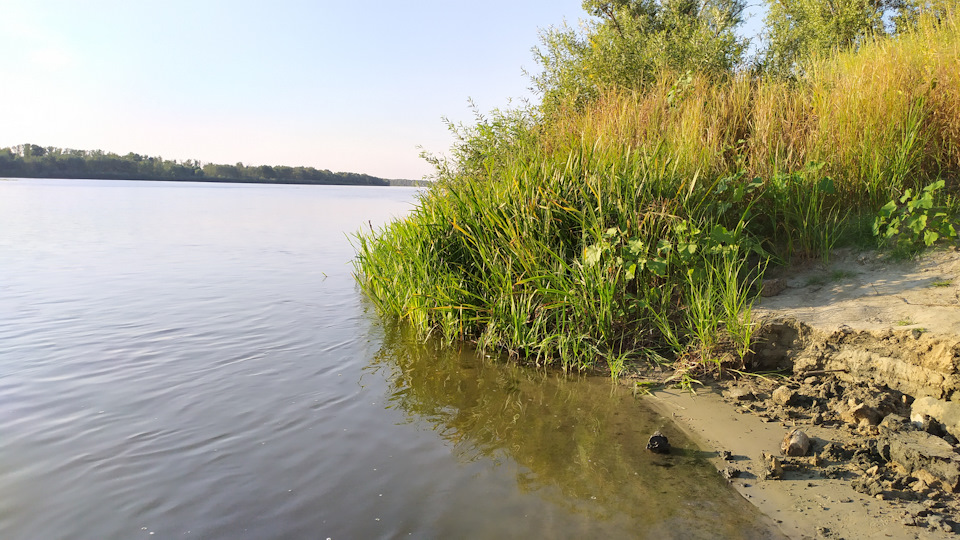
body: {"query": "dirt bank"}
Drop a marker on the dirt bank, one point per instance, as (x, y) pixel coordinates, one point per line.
(868, 355)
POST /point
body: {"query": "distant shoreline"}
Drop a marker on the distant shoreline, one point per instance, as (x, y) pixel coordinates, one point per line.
(287, 182)
(33, 161)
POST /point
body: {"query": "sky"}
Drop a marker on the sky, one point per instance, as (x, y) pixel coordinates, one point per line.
(346, 86)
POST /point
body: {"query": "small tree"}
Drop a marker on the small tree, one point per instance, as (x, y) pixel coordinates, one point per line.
(798, 29)
(629, 43)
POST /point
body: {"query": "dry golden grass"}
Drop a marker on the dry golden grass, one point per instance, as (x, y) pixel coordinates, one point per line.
(878, 120)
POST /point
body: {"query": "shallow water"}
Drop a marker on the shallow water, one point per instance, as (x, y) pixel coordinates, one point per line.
(194, 361)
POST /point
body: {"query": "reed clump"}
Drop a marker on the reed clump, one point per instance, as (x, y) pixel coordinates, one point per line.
(637, 227)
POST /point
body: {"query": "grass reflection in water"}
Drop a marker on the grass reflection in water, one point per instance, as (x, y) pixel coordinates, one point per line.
(580, 442)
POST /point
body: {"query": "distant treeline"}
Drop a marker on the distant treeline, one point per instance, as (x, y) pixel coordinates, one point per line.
(32, 161)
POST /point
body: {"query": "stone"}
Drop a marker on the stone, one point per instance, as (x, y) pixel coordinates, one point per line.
(739, 393)
(893, 423)
(795, 443)
(836, 452)
(867, 485)
(937, 523)
(784, 396)
(773, 287)
(730, 472)
(772, 467)
(658, 444)
(919, 452)
(947, 413)
(861, 414)
(917, 510)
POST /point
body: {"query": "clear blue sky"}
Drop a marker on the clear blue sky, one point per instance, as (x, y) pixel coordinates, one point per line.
(346, 86)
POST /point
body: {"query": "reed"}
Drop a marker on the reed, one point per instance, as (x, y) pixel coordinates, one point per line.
(637, 227)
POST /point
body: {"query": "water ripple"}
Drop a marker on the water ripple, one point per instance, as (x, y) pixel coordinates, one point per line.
(191, 361)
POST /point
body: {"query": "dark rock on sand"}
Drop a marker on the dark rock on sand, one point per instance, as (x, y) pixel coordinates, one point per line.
(918, 450)
(658, 444)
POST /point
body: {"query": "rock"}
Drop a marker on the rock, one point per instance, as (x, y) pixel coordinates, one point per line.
(739, 393)
(784, 396)
(773, 287)
(893, 423)
(919, 452)
(726, 455)
(917, 510)
(658, 444)
(867, 485)
(928, 424)
(937, 523)
(947, 413)
(836, 452)
(772, 467)
(796, 443)
(730, 472)
(861, 414)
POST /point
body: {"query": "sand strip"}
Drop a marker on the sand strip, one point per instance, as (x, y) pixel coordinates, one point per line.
(804, 504)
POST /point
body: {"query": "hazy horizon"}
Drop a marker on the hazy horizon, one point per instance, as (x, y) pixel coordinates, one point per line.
(338, 86)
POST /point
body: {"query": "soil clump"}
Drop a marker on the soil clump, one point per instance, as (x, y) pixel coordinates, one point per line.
(851, 417)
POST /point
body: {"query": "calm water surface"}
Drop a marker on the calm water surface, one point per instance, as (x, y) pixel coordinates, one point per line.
(194, 361)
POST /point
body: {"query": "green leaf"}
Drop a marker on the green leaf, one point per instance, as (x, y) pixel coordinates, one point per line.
(930, 237)
(686, 250)
(636, 247)
(664, 247)
(888, 209)
(631, 272)
(917, 224)
(591, 255)
(658, 266)
(893, 228)
(827, 186)
(721, 235)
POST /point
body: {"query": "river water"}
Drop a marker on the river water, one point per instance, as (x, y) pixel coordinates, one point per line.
(185, 360)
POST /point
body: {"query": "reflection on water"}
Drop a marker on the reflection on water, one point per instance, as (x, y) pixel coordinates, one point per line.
(194, 361)
(578, 442)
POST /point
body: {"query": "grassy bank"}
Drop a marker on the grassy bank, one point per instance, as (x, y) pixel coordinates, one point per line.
(637, 227)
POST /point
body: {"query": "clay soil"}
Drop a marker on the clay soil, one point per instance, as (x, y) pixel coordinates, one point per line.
(861, 354)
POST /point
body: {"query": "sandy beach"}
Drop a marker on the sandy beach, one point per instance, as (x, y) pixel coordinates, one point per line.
(859, 341)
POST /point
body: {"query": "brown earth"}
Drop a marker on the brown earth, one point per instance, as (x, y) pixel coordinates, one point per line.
(867, 359)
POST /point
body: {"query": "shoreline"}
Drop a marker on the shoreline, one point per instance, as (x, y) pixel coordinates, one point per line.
(802, 504)
(863, 338)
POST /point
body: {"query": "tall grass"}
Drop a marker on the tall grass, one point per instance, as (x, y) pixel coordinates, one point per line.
(636, 227)
(879, 119)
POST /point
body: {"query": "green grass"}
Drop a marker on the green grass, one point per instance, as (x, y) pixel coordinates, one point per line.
(636, 228)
